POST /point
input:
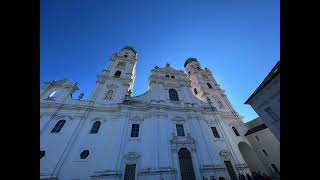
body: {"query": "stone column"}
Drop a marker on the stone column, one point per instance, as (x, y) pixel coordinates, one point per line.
(176, 163)
(196, 165)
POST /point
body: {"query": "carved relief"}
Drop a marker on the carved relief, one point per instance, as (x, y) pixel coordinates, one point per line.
(178, 119)
(225, 155)
(136, 119)
(131, 157)
(178, 142)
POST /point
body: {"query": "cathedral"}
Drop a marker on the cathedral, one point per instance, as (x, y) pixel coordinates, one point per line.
(182, 128)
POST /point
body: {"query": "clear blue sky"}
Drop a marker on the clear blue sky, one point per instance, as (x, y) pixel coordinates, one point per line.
(238, 40)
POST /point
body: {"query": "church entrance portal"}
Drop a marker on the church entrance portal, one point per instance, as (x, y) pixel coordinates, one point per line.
(186, 166)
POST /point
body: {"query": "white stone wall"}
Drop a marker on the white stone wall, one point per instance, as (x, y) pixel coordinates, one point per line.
(267, 141)
(269, 96)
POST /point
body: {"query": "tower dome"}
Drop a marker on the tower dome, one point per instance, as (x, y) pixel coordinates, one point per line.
(190, 60)
(130, 48)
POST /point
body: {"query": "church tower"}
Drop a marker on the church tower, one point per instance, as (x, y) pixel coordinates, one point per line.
(116, 81)
(205, 87)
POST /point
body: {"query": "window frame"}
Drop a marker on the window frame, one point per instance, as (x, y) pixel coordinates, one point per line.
(235, 131)
(213, 132)
(173, 95)
(97, 130)
(115, 74)
(76, 156)
(181, 130)
(86, 158)
(60, 127)
(135, 171)
(132, 129)
(209, 85)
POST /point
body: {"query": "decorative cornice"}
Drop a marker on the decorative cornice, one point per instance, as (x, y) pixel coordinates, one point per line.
(150, 171)
(106, 173)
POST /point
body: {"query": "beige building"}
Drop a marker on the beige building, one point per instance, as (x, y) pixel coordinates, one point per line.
(265, 100)
(266, 146)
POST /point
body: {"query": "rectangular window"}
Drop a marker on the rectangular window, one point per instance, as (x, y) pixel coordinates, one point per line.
(257, 138)
(180, 130)
(130, 172)
(215, 132)
(135, 130)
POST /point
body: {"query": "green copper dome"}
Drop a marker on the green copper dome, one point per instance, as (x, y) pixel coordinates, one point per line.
(189, 60)
(130, 48)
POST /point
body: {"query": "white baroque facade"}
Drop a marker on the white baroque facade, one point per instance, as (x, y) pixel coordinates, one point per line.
(170, 132)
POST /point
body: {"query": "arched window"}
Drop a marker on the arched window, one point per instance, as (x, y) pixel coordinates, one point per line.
(173, 95)
(221, 178)
(95, 127)
(117, 74)
(84, 154)
(109, 94)
(42, 153)
(195, 91)
(167, 76)
(209, 85)
(235, 131)
(172, 77)
(57, 128)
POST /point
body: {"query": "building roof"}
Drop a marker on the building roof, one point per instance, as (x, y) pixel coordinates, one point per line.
(272, 74)
(189, 60)
(256, 129)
